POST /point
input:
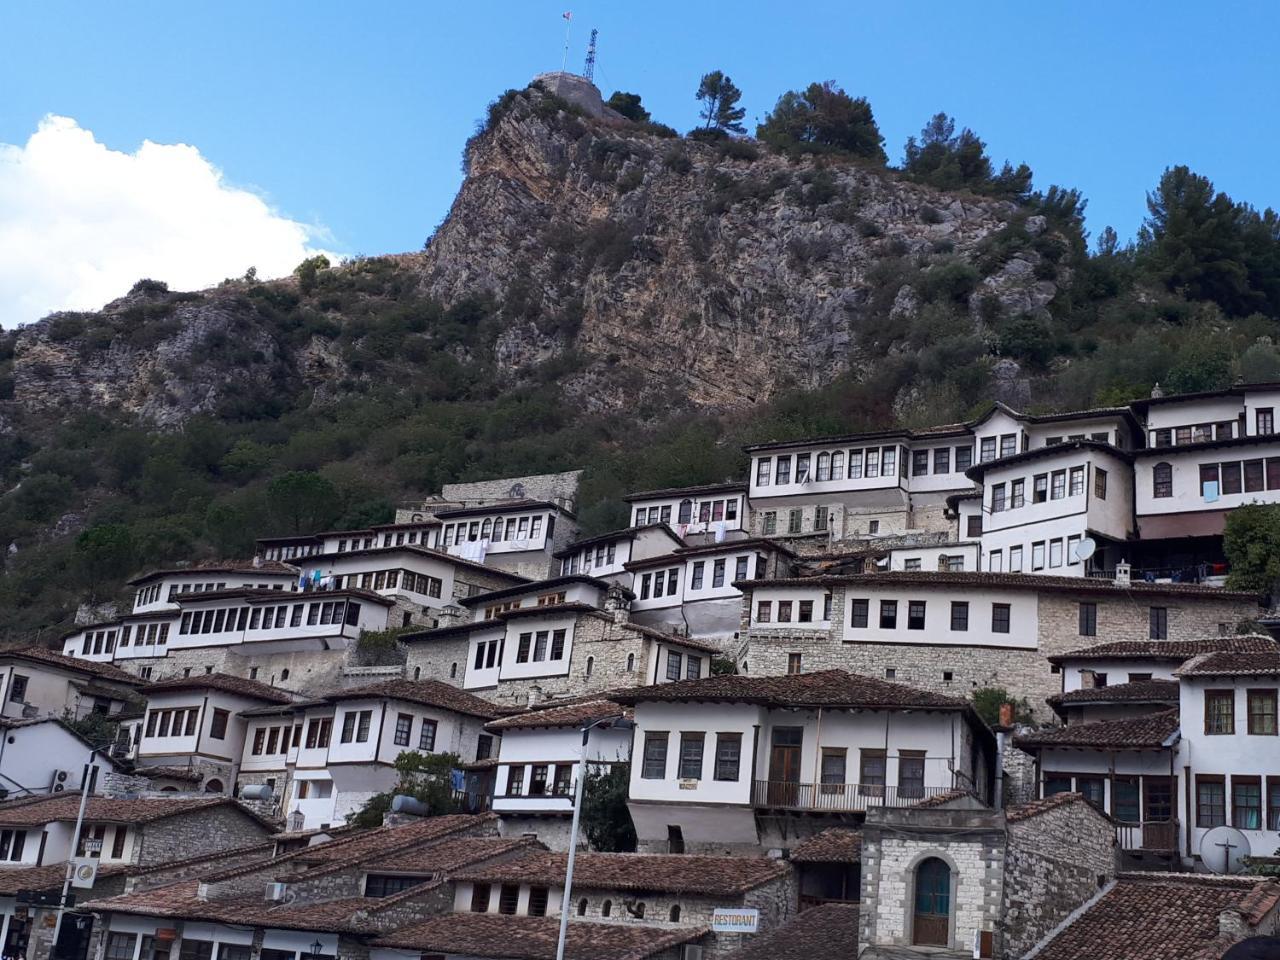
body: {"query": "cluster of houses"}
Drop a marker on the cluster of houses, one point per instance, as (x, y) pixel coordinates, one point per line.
(785, 681)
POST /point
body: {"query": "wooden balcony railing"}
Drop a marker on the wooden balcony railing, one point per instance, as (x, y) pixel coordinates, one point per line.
(1153, 835)
(837, 797)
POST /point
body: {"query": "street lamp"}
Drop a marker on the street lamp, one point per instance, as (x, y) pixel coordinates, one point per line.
(317, 950)
(86, 781)
(573, 832)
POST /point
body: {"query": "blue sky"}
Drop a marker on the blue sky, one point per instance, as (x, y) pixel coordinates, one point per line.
(352, 116)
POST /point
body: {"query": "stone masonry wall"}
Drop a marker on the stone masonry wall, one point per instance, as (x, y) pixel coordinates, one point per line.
(205, 831)
(1056, 861)
(1019, 774)
(444, 660)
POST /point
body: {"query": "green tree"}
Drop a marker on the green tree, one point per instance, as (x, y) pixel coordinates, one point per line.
(606, 821)
(423, 776)
(821, 118)
(302, 501)
(628, 104)
(1251, 541)
(953, 161)
(1260, 363)
(104, 553)
(719, 98)
(987, 702)
(308, 271)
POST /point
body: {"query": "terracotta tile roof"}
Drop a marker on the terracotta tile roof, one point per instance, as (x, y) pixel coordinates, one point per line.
(728, 486)
(1177, 651)
(66, 806)
(533, 587)
(240, 686)
(1040, 453)
(827, 932)
(188, 774)
(689, 642)
(943, 799)
(1137, 691)
(428, 693)
(833, 845)
(102, 671)
(665, 873)
(50, 877)
(1152, 731)
(626, 533)
(968, 580)
(253, 594)
(560, 715)
(1157, 917)
(831, 688)
(704, 549)
(489, 935)
(1026, 811)
(1232, 665)
(452, 854)
(229, 567)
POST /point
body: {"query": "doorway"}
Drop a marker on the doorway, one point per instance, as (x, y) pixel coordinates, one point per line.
(784, 766)
(932, 922)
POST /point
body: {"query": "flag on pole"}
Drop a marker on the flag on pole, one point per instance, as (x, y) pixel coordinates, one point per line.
(568, 14)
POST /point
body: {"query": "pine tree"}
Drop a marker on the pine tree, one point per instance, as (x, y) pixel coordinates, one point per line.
(719, 98)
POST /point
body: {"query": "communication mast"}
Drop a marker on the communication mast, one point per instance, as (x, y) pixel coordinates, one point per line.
(589, 69)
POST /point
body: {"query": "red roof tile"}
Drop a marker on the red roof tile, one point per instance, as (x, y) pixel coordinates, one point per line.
(827, 932)
(561, 715)
(1232, 665)
(666, 873)
(1177, 651)
(240, 686)
(1026, 811)
(490, 935)
(1150, 731)
(1157, 917)
(428, 693)
(66, 807)
(102, 671)
(1138, 691)
(834, 845)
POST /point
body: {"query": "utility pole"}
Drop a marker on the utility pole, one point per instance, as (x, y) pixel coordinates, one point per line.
(86, 780)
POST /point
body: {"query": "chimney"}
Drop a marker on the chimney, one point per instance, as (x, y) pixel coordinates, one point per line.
(617, 604)
(450, 616)
(535, 695)
(1122, 573)
(1006, 714)
(1157, 391)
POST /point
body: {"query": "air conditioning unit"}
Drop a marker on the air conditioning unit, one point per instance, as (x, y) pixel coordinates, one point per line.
(60, 778)
(691, 951)
(277, 891)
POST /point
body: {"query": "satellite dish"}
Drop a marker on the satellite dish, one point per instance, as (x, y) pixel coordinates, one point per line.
(1086, 548)
(1223, 848)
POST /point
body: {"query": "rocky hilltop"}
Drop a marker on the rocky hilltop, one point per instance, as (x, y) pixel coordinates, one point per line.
(653, 272)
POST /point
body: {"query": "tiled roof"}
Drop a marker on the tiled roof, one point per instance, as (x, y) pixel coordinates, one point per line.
(681, 554)
(1137, 691)
(560, 715)
(428, 693)
(663, 873)
(968, 580)
(729, 486)
(1172, 650)
(976, 471)
(1158, 917)
(491, 935)
(534, 586)
(1034, 808)
(1155, 730)
(1232, 665)
(689, 642)
(445, 855)
(831, 688)
(102, 671)
(50, 877)
(833, 845)
(229, 567)
(240, 686)
(626, 533)
(253, 594)
(826, 932)
(501, 506)
(66, 806)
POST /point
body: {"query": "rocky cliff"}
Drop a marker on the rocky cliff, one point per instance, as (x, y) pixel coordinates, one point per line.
(660, 272)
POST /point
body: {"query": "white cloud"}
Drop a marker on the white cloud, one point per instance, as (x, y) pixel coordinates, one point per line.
(80, 223)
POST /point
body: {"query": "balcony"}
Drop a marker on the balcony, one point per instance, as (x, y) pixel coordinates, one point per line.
(837, 797)
(1153, 836)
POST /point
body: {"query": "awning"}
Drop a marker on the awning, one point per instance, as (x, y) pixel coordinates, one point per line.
(1175, 526)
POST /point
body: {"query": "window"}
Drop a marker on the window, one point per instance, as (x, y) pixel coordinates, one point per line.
(1000, 618)
(960, 615)
(1211, 802)
(824, 467)
(557, 644)
(515, 780)
(1040, 488)
(1246, 803)
(362, 726)
(218, 725)
(942, 460)
(1162, 480)
(995, 561)
(1273, 803)
(728, 755)
(1077, 482)
(1158, 623)
(538, 780)
(973, 527)
(1055, 552)
(691, 745)
(763, 471)
(692, 667)
(480, 898)
(764, 611)
(1037, 555)
(18, 688)
(873, 463)
(1100, 483)
(427, 738)
(832, 773)
(509, 898)
(740, 568)
(1058, 485)
(1088, 619)
(873, 527)
(805, 611)
(120, 946)
(997, 498)
(987, 449)
(920, 463)
(522, 649)
(860, 612)
(826, 607)
(654, 766)
(379, 885)
(794, 520)
(195, 950)
(1265, 420)
(915, 614)
(802, 467)
(717, 573)
(888, 614)
(871, 773)
(855, 464)
(910, 774)
(887, 461)
(795, 663)
(964, 459)
(1125, 800)
(837, 473)
(1262, 712)
(784, 611)
(1230, 478)
(770, 523)
(674, 665)
(1008, 444)
(1015, 559)
(1253, 476)
(782, 475)
(1017, 494)
(820, 515)
(695, 579)
(404, 726)
(1219, 712)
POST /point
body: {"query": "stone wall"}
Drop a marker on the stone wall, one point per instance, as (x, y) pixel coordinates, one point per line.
(444, 659)
(1019, 774)
(896, 842)
(1056, 861)
(191, 834)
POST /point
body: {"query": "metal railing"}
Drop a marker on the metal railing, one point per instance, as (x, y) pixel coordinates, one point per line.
(838, 797)
(1192, 573)
(1149, 835)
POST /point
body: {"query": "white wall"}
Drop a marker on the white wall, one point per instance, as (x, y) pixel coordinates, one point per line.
(1186, 479)
(928, 557)
(552, 746)
(30, 756)
(201, 742)
(813, 489)
(1117, 671)
(729, 508)
(711, 718)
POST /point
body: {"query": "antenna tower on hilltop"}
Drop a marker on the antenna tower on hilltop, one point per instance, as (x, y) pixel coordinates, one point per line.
(589, 68)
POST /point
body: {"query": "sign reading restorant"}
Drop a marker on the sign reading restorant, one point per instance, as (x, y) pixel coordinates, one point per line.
(735, 920)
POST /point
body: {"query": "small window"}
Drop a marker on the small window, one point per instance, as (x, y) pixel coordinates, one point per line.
(582, 908)
(915, 615)
(1088, 619)
(960, 615)
(1159, 623)
(888, 614)
(1162, 480)
(795, 663)
(1000, 617)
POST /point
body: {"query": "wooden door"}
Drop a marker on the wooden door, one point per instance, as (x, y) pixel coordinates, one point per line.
(784, 766)
(932, 921)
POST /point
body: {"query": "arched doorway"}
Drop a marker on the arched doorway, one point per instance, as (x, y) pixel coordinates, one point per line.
(932, 922)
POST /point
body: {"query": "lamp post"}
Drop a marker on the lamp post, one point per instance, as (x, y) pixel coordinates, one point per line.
(317, 950)
(85, 782)
(573, 832)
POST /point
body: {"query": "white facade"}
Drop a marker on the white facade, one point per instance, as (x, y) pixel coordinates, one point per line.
(39, 757)
(539, 766)
(693, 511)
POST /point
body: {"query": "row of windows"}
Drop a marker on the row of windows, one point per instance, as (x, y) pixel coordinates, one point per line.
(404, 731)
(273, 740)
(803, 610)
(692, 666)
(355, 726)
(177, 589)
(1227, 478)
(1102, 437)
(869, 462)
(604, 555)
(860, 615)
(1134, 799)
(496, 530)
(1055, 485)
(398, 539)
(664, 583)
(697, 573)
(1247, 809)
(1199, 432)
(795, 521)
(1157, 625)
(375, 580)
(1050, 554)
(708, 511)
(269, 618)
(181, 722)
(104, 641)
(12, 844)
(726, 763)
(560, 783)
(147, 595)
(534, 645)
(636, 909)
(508, 899)
(292, 550)
(947, 563)
(1220, 712)
(1006, 444)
